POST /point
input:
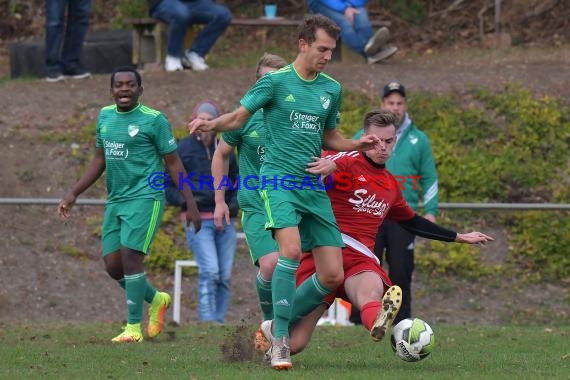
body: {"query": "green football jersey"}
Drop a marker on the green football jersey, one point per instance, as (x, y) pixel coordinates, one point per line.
(296, 113)
(133, 143)
(250, 143)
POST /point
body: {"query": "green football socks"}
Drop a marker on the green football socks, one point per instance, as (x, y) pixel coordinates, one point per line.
(264, 293)
(283, 287)
(149, 293)
(135, 286)
(310, 294)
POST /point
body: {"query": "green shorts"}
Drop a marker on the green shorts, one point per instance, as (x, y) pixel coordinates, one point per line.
(132, 224)
(309, 210)
(259, 240)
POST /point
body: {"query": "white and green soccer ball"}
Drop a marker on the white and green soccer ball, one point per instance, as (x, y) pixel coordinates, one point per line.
(412, 339)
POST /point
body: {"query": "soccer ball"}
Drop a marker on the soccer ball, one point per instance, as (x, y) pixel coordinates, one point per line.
(412, 339)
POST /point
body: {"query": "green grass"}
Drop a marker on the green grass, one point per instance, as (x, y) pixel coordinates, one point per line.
(197, 351)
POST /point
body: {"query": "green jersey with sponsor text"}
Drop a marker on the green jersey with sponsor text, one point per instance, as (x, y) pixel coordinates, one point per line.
(133, 143)
(250, 143)
(296, 113)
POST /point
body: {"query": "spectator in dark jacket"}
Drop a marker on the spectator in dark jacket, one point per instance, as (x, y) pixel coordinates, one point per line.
(213, 248)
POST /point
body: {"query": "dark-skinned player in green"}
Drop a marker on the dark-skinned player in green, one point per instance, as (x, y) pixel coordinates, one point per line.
(134, 144)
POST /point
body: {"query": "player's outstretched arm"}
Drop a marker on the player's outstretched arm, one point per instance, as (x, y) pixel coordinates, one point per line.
(422, 227)
(474, 237)
(225, 122)
(175, 167)
(220, 169)
(333, 140)
(93, 172)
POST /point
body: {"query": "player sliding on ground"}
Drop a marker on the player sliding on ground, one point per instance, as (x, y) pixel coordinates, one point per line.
(363, 193)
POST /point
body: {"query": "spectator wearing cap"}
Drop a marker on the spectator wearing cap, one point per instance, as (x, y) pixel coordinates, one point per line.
(413, 162)
(213, 249)
(355, 28)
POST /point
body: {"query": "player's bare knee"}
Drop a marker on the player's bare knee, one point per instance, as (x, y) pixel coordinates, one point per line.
(331, 280)
(115, 273)
(267, 265)
(297, 344)
(291, 251)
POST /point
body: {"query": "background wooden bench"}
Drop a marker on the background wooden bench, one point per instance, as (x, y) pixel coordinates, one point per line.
(150, 36)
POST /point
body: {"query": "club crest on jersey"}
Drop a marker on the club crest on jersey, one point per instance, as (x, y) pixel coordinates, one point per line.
(325, 102)
(133, 130)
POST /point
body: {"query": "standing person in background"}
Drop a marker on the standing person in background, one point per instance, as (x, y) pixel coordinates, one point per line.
(355, 28)
(214, 247)
(64, 41)
(179, 15)
(413, 164)
(132, 142)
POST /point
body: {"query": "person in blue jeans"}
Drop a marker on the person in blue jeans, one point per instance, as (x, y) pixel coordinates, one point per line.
(64, 42)
(355, 28)
(179, 15)
(213, 248)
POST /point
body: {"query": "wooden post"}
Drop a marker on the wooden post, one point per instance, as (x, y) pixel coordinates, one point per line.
(497, 17)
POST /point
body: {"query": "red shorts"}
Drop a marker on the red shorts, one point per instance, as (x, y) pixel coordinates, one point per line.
(353, 262)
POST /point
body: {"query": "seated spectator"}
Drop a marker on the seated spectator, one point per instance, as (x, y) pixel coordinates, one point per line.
(355, 28)
(179, 15)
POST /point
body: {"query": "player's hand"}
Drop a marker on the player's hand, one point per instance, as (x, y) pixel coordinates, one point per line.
(199, 125)
(321, 166)
(193, 217)
(349, 13)
(65, 205)
(221, 213)
(473, 238)
(367, 142)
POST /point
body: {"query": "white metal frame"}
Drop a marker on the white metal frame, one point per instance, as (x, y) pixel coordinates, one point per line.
(337, 315)
(178, 281)
(178, 285)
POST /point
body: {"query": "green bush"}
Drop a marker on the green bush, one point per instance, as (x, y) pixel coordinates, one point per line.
(354, 106)
(130, 9)
(413, 11)
(539, 245)
(169, 244)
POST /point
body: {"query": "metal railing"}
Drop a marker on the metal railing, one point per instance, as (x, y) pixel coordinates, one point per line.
(443, 205)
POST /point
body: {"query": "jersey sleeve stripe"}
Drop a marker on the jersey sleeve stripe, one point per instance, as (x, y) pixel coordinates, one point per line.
(329, 77)
(149, 111)
(431, 193)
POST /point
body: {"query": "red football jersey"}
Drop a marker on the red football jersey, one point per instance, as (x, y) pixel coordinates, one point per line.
(362, 195)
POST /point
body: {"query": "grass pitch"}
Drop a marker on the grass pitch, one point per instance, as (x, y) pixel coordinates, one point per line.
(201, 351)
